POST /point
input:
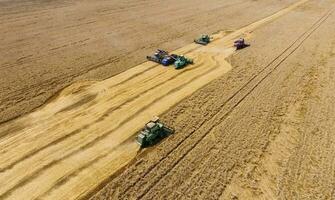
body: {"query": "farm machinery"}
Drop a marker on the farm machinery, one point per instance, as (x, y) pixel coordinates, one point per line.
(203, 40)
(182, 61)
(153, 132)
(240, 44)
(164, 58)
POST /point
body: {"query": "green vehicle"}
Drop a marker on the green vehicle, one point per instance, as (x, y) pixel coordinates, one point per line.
(203, 40)
(153, 132)
(182, 61)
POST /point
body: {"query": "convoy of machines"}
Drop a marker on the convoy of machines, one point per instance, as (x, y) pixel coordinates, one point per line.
(154, 130)
(164, 58)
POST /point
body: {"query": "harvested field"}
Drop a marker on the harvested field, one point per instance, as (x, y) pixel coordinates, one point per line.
(252, 124)
(47, 45)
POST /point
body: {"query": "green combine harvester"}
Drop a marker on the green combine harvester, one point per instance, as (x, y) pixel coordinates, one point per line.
(152, 133)
(203, 40)
(182, 61)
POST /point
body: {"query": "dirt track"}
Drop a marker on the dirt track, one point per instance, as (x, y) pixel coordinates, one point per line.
(262, 129)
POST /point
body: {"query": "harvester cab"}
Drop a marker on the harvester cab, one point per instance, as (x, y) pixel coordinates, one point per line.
(203, 40)
(153, 132)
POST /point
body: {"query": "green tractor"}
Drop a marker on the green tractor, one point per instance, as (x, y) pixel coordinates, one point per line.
(153, 132)
(203, 40)
(182, 61)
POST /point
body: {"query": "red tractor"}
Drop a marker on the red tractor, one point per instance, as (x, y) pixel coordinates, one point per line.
(240, 44)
